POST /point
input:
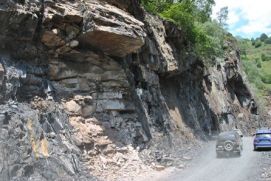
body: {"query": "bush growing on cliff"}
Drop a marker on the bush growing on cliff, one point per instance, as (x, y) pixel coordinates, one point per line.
(203, 7)
(193, 16)
(156, 6)
(183, 15)
(207, 37)
(211, 40)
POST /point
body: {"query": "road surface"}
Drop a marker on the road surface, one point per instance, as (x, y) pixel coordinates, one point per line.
(208, 168)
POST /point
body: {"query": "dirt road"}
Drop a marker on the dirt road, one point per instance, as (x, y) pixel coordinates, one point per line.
(208, 168)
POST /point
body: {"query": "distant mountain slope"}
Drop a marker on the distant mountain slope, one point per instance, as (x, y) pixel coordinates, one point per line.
(256, 59)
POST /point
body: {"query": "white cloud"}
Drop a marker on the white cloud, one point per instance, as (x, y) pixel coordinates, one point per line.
(233, 17)
(247, 17)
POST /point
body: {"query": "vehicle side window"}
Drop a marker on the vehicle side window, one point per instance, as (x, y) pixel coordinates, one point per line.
(265, 135)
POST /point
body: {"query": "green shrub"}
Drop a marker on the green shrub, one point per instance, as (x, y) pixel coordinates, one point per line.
(255, 65)
(206, 37)
(263, 37)
(209, 39)
(253, 41)
(193, 17)
(156, 6)
(258, 63)
(266, 78)
(182, 14)
(244, 57)
(268, 41)
(264, 57)
(258, 43)
(253, 74)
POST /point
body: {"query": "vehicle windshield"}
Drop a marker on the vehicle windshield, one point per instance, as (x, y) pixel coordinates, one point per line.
(263, 135)
(226, 136)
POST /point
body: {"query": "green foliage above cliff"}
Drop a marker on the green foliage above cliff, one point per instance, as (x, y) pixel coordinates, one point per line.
(210, 39)
(182, 14)
(193, 16)
(202, 8)
(156, 6)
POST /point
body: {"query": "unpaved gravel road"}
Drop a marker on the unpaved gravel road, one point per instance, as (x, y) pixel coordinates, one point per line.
(208, 168)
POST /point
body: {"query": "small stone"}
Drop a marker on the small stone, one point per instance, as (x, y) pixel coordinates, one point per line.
(159, 167)
(181, 166)
(130, 147)
(110, 149)
(82, 98)
(55, 31)
(50, 39)
(74, 43)
(240, 116)
(187, 158)
(102, 141)
(122, 149)
(73, 107)
(52, 135)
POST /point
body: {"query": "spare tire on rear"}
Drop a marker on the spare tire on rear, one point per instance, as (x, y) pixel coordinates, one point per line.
(228, 145)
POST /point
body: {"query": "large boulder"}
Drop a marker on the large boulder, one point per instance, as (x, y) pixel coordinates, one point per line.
(97, 25)
(112, 30)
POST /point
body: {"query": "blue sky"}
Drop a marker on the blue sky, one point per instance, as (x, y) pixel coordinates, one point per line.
(247, 18)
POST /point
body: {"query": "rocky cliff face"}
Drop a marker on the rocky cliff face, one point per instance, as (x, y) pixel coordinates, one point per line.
(85, 85)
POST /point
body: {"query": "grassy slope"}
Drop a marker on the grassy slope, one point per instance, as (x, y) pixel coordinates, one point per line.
(266, 67)
(256, 73)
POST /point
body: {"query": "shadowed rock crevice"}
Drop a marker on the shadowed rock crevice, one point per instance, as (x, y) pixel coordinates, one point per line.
(188, 107)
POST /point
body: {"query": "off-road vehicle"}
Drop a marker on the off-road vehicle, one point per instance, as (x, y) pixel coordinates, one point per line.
(228, 144)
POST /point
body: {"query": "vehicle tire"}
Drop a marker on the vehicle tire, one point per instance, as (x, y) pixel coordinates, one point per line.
(255, 148)
(238, 153)
(228, 146)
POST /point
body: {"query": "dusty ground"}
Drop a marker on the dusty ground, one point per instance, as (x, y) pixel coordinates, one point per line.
(251, 166)
(265, 163)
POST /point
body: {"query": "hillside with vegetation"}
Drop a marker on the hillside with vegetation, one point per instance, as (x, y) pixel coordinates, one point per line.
(205, 35)
(256, 57)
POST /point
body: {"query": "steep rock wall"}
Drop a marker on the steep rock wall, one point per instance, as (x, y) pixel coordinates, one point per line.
(87, 78)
